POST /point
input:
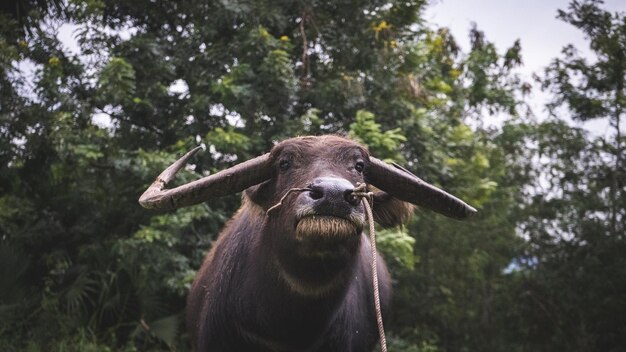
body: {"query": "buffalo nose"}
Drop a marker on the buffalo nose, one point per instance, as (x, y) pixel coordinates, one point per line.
(332, 192)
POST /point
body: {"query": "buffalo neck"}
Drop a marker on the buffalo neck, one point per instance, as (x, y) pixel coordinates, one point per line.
(303, 290)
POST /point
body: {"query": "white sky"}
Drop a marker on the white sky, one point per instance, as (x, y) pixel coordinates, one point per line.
(534, 22)
(503, 21)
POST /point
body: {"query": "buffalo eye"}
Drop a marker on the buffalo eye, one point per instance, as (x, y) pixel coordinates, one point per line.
(284, 164)
(359, 166)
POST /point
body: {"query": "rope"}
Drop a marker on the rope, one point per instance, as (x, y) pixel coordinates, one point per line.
(360, 191)
(367, 198)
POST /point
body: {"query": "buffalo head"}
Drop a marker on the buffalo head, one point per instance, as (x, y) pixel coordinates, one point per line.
(329, 165)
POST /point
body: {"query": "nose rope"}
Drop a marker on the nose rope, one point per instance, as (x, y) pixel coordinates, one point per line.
(368, 202)
(367, 198)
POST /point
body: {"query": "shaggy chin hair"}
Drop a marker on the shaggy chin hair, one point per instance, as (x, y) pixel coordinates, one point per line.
(326, 226)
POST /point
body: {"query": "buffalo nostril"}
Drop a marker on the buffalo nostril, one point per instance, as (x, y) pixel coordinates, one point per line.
(350, 197)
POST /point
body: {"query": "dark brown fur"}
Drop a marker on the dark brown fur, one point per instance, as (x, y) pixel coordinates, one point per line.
(273, 284)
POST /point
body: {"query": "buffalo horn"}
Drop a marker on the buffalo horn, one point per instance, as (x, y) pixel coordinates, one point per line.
(231, 180)
(407, 187)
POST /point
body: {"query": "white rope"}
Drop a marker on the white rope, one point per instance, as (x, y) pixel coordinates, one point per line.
(366, 197)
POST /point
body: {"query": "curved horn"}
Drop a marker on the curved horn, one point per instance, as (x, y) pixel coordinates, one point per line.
(405, 186)
(232, 180)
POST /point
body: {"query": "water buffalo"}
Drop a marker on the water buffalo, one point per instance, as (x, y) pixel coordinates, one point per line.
(296, 278)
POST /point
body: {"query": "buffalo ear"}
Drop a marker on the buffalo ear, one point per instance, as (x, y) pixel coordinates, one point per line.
(390, 211)
(261, 194)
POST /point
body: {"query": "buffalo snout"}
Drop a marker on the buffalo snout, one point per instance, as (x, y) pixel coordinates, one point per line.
(332, 196)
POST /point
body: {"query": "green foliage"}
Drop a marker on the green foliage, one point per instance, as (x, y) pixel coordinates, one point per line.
(384, 145)
(398, 344)
(116, 83)
(397, 246)
(78, 341)
(228, 140)
(84, 268)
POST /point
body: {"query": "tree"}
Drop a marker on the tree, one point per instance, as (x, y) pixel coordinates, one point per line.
(89, 268)
(596, 90)
(571, 281)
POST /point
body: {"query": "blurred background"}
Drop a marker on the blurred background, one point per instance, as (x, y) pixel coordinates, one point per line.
(98, 96)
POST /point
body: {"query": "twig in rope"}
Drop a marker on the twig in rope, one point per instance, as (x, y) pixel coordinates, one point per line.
(280, 202)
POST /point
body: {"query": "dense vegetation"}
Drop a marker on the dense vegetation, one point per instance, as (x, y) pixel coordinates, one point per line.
(84, 131)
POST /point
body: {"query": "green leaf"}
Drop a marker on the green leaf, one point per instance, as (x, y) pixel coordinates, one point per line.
(385, 144)
(397, 245)
(117, 81)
